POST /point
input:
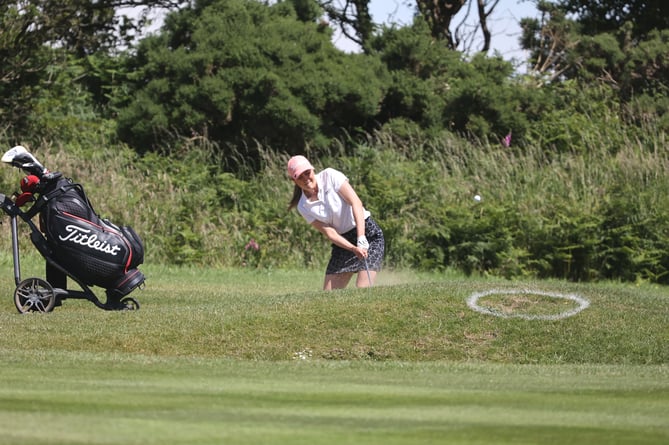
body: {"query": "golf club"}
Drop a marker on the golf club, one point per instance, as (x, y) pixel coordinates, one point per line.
(369, 277)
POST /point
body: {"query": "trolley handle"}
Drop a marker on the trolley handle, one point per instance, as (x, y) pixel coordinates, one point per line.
(8, 205)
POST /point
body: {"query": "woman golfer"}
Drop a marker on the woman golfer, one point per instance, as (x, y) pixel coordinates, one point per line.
(328, 202)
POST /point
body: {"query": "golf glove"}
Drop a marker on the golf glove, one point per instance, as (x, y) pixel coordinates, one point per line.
(362, 242)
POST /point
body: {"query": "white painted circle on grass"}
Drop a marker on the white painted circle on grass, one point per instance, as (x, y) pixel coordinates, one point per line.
(473, 299)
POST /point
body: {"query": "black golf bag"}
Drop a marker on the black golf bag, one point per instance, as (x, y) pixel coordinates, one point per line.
(73, 239)
(94, 250)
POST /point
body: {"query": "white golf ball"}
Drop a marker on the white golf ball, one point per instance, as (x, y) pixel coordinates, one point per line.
(477, 198)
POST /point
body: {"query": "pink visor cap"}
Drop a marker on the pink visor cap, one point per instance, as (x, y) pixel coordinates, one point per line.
(298, 165)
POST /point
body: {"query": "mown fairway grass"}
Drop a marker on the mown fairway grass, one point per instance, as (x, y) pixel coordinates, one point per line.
(264, 357)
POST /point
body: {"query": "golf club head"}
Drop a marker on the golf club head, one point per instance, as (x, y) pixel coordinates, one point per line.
(21, 158)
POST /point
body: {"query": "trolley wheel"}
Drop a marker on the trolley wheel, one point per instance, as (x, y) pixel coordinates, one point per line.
(34, 295)
(129, 304)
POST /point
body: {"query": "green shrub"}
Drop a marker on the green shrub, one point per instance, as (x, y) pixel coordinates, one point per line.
(596, 211)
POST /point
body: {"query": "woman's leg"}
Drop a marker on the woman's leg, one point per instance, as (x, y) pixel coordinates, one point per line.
(337, 280)
(363, 279)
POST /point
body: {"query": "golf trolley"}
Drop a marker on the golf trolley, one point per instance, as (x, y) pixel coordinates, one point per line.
(73, 240)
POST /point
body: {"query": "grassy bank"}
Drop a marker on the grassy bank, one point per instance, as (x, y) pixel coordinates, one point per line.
(277, 315)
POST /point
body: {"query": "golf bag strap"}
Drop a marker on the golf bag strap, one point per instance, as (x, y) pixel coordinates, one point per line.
(41, 202)
(36, 208)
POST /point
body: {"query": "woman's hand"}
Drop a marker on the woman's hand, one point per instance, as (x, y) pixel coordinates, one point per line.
(360, 252)
(335, 238)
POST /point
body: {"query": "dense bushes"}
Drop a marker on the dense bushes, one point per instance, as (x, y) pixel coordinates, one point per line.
(213, 73)
(585, 214)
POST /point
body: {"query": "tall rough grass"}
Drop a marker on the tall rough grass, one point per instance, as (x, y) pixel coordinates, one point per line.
(598, 211)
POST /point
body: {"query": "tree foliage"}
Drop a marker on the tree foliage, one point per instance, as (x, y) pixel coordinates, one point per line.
(438, 89)
(607, 16)
(352, 18)
(550, 39)
(40, 37)
(440, 16)
(211, 73)
(609, 42)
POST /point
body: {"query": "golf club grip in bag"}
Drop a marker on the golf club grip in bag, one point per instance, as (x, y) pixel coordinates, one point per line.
(93, 249)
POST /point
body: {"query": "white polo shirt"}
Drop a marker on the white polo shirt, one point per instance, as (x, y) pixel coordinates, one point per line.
(330, 208)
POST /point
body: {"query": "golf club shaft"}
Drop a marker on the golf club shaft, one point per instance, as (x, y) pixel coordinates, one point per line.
(369, 277)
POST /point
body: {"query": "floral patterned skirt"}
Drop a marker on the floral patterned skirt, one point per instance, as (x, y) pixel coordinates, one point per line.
(343, 261)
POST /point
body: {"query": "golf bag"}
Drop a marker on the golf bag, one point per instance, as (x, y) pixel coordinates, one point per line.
(94, 250)
(73, 239)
